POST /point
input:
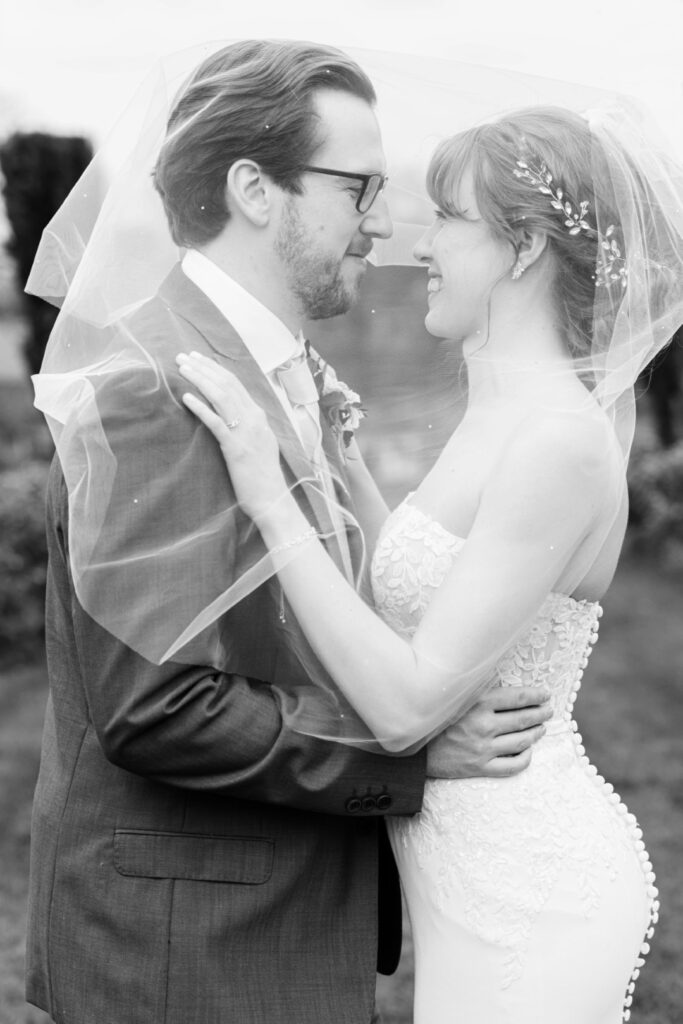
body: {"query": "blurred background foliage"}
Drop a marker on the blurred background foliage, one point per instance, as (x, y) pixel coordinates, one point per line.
(38, 172)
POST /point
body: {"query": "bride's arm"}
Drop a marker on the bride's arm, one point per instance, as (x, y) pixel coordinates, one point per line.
(371, 508)
(534, 515)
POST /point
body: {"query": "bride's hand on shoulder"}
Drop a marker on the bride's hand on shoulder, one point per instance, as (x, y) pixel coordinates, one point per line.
(240, 426)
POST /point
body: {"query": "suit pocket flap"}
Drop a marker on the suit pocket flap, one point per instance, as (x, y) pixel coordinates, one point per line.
(201, 858)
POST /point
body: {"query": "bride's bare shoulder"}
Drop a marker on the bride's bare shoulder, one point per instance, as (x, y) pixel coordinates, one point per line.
(580, 438)
(557, 459)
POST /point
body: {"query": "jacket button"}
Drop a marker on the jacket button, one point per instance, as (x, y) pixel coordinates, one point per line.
(384, 802)
(353, 805)
(369, 803)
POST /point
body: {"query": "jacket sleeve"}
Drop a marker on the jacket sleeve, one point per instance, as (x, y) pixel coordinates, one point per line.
(187, 724)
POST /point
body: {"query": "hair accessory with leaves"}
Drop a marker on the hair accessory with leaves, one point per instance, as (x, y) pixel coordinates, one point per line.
(611, 265)
(542, 179)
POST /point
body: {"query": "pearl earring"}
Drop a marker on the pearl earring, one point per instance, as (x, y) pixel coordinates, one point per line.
(517, 271)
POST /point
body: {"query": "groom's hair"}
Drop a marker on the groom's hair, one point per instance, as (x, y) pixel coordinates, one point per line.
(251, 100)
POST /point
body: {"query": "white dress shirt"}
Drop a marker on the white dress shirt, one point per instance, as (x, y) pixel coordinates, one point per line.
(269, 342)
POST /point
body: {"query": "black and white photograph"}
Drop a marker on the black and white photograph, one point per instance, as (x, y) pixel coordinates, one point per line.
(341, 512)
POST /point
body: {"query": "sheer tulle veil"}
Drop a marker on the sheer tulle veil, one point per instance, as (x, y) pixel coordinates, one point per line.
(108, 250)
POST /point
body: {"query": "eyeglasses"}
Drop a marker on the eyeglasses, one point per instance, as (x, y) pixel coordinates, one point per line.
(372, 184)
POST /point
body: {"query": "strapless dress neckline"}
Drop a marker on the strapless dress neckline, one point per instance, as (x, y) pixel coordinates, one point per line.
(427, 517)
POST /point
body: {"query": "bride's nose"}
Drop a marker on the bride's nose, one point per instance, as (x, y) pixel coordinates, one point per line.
(423, 247)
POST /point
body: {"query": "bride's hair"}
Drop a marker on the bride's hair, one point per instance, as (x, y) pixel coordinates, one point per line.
(559, 143)
(252, 100)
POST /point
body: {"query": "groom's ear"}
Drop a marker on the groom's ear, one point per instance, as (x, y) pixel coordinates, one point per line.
(249, 190)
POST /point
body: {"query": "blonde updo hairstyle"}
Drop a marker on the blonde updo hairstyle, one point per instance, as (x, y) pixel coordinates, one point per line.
(561, 141)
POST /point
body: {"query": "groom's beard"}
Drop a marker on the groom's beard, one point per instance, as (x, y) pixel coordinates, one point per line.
(315, 277)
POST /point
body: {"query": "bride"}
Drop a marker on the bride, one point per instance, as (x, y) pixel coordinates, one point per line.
(549, 261)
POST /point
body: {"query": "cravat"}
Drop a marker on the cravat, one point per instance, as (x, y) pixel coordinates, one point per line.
(297, 380)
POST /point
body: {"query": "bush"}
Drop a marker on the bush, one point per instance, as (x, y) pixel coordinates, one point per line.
(23, 557)
(655, 482)
(24, 436)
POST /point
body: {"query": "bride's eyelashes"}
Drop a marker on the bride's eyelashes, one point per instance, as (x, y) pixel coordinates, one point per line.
(444, 216)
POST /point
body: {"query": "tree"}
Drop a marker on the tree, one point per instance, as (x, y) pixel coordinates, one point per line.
(39, 172)
(662, 381)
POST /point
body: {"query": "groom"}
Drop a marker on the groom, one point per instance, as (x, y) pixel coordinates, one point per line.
(194, 861)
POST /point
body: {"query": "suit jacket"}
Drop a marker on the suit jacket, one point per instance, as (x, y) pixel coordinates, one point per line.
(194, 861)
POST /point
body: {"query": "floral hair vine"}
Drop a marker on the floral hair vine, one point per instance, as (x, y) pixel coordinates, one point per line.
(542, 179)
(611, 265)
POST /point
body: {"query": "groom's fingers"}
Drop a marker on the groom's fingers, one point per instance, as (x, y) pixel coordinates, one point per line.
(510, 698)
(517, 711)
(507, 722)
(501, 767)
(517, 742)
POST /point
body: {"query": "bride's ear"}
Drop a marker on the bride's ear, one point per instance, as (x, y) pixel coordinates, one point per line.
(530, 247)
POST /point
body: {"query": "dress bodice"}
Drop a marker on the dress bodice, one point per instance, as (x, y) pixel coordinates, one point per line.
(413, 557)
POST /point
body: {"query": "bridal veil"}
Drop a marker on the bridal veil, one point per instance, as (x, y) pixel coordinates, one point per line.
(108, 250)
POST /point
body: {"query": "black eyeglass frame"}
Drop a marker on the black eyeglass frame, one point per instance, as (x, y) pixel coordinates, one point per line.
(364, 178)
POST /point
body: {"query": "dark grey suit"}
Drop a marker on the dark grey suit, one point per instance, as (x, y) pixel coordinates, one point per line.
(193, 861)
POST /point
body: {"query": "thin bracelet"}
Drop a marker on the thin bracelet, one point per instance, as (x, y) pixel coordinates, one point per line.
(295, 541)
(308, 534)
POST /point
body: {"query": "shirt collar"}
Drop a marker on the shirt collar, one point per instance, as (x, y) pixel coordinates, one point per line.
(269, 341)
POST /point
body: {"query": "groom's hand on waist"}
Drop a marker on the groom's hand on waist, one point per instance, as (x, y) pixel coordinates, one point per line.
(494, 738)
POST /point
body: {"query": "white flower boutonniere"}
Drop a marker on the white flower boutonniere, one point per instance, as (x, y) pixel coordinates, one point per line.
(339, 404)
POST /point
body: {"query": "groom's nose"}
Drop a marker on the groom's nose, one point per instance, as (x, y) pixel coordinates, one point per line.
(377, 221)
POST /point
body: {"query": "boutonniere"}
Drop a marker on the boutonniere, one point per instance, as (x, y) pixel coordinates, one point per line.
(341, 407)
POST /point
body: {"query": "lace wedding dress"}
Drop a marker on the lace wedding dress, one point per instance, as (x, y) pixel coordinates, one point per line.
(529, 897)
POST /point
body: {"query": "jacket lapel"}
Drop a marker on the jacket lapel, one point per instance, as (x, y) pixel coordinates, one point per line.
(333, 446)
(334, 450)
(189, 302)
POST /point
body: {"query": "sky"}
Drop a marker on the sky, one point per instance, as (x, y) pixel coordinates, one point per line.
(71, 66)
